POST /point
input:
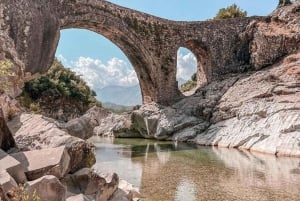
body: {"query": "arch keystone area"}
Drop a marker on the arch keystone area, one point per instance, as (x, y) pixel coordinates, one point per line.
(31, 33)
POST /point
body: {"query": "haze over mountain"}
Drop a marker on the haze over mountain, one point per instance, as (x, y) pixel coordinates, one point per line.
(128, 96)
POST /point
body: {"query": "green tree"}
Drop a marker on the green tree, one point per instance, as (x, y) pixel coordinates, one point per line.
(60, 82)
(230, 12)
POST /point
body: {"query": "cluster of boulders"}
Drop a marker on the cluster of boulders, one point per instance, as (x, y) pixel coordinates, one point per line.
(44, 161)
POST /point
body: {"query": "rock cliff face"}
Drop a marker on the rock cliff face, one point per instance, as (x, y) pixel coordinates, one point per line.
(257, 111)
(260, 112)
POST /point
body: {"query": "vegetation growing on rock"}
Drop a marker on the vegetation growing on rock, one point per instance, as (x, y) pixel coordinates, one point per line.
(190, 84)
(6, 71)
(230, 12)
(58, 91)
(21, 194)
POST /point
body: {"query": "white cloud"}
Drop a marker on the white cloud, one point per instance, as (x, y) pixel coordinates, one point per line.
(186, 65)
(116, 71)
(98, 74)
(62, 59)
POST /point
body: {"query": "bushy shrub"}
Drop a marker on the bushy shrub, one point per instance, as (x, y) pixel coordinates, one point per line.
(230, 12)
(59, 82)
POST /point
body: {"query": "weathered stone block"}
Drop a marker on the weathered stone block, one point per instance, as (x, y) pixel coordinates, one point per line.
(38, 163)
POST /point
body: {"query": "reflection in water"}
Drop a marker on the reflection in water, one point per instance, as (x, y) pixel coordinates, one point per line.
(165, 171)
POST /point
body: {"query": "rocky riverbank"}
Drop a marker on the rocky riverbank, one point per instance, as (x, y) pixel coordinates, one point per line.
(257, 111)
(55, 165)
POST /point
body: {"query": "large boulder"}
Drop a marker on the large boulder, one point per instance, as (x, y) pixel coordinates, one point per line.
(6, 139)
(118, 125)
(83, 126)
(12, 166)
(88, 182)
(183, 120)
(35, 132)
(47, 188)
(38, 163)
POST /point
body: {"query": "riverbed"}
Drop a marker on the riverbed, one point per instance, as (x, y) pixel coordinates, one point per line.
(170, 171)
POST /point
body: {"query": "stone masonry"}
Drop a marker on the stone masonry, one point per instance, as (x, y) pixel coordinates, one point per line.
(30, 31)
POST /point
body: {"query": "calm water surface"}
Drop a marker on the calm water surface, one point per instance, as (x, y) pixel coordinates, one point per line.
(167, 171)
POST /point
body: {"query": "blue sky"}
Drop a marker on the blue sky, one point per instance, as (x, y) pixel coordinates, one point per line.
(90, 54)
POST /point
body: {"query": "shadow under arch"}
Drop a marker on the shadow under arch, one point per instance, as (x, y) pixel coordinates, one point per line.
(204, 68)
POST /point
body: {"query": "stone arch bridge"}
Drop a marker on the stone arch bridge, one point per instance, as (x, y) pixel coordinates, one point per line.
(150, 43)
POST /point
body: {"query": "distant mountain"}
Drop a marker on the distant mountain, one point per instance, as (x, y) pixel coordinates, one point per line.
(117, 108)
(119, 95)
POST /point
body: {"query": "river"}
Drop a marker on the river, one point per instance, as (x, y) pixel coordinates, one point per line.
(169, 171)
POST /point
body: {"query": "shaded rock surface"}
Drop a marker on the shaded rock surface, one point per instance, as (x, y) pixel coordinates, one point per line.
(6, 139)
(38, 163)
(83, 126)
(88, 182)
(12, 166)
(35, 132)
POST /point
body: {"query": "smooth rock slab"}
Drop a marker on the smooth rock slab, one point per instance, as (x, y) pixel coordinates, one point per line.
(12, 166)
(48, 188)
(38, 163)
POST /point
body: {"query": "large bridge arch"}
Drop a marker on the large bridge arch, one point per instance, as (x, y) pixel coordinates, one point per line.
(132, 52)
(30, 34)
